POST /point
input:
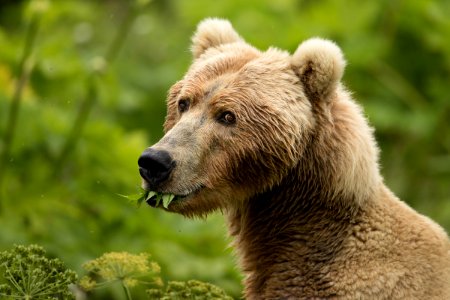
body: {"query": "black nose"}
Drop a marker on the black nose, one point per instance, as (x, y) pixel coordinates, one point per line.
(155, 166)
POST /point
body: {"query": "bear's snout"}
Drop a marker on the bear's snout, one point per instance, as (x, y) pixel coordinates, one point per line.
(155, 166)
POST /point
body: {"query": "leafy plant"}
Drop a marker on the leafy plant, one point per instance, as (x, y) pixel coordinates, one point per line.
(127, 269)
(131, 270)
(155, 198)
(191, 289)
(29, 274)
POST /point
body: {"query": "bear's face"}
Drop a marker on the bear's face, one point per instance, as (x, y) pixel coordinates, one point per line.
(237, 122)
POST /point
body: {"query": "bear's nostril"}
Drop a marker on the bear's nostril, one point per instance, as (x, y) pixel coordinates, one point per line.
(155, 165)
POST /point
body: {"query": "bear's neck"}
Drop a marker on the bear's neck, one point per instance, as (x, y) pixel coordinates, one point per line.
(288, 237)
(277, 234)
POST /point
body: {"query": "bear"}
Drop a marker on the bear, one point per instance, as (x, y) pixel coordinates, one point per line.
(277, 144)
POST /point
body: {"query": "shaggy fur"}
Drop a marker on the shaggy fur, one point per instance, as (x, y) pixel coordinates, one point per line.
(296, 173)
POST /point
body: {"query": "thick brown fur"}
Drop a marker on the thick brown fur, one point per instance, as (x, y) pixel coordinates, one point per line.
(296, 174)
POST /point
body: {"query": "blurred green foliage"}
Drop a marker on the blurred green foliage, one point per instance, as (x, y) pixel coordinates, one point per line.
(98, 75)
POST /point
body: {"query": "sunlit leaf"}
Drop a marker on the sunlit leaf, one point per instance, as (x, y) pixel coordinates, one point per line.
(167, 198)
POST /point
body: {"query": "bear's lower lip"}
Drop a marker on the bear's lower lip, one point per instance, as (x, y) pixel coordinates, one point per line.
(178, 198)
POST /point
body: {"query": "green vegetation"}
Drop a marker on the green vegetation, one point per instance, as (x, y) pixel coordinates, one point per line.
(127, 269)
(132, 270)
(82, 89)
(192, 289)
(27, 274)
(159, 198)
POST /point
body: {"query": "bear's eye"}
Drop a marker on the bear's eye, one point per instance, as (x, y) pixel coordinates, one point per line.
(183, 105)
(227, 118)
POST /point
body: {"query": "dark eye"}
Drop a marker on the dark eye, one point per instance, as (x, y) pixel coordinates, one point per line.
(227, 118)
(183, 105)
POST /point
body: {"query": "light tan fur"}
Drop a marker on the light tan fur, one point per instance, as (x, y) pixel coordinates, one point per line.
(296, 175)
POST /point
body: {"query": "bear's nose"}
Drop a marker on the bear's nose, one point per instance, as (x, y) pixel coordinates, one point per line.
(155, 166)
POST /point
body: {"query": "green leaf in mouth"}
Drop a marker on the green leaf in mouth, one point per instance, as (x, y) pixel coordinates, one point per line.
(147, 195)
(167, 198)
(136, 198)
(159, 198)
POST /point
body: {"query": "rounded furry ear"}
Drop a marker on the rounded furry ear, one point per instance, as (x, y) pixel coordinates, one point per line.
(320, 65)
(212, 32)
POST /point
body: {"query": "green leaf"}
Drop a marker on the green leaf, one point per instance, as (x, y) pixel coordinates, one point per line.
(158, 199)
(134, 198)
(150, 195)
(167, 198)
(146, 195)
(139, 201)
(143, 197)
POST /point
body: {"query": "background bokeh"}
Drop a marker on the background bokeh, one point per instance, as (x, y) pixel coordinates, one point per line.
(99, 72)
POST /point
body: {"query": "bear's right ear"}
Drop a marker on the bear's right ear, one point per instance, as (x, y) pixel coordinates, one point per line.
(212, 32)
(320, 65)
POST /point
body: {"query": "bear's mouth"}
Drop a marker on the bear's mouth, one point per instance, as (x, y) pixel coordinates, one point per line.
(177, 197)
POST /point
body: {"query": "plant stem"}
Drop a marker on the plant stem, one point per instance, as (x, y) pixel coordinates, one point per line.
(23, 73)
(127, 291)
(81, 118)
(400, 86)
(119, 39)
(92, 92)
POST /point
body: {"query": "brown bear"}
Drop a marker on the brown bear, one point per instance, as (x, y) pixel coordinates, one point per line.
(277, 144)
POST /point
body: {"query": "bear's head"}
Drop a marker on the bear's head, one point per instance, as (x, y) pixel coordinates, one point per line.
(242, 120)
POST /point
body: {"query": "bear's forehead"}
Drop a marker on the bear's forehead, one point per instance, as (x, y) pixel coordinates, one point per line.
(238, 71)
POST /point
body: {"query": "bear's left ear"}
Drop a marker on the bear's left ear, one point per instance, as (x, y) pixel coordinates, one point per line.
(212, 32)
(320, 65)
